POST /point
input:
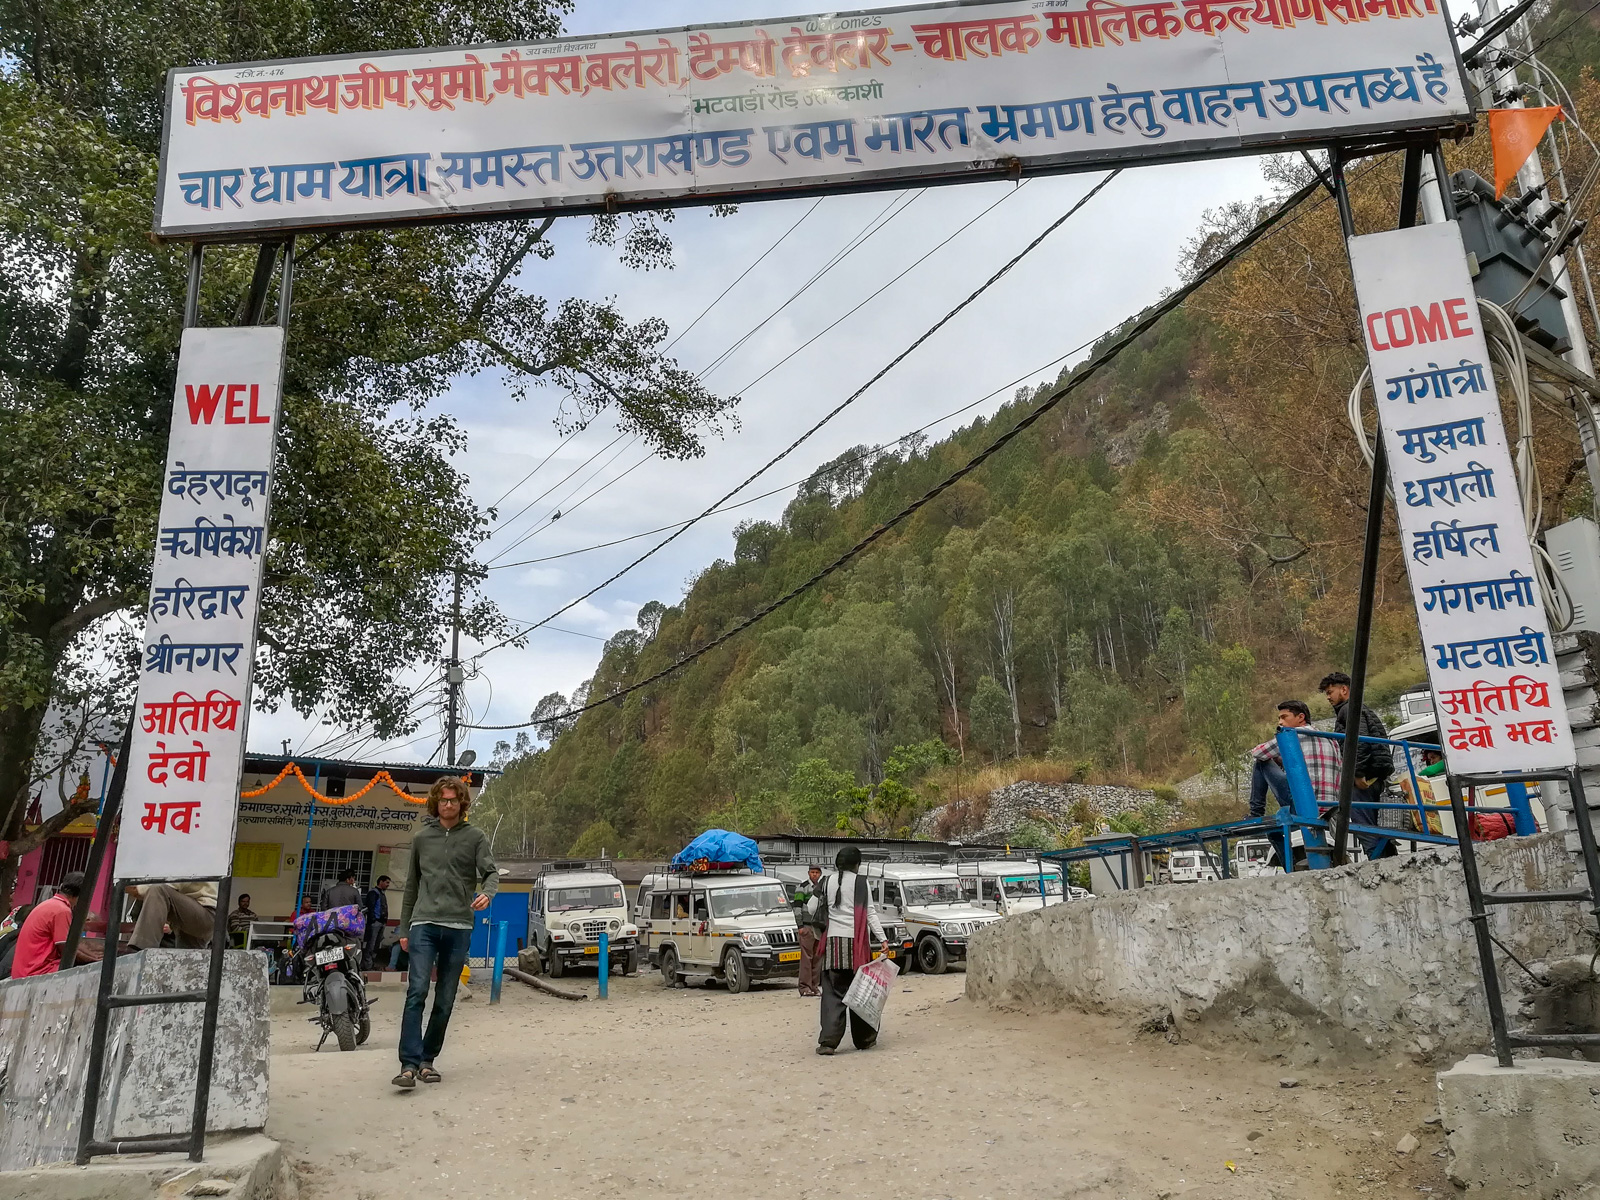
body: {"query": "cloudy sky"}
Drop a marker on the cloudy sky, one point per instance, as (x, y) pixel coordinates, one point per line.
(1112, 259)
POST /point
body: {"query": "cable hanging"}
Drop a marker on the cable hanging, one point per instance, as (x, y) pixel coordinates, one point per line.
(1136, 329)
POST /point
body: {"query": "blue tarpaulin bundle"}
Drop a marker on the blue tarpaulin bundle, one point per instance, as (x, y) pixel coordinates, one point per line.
(718, 848)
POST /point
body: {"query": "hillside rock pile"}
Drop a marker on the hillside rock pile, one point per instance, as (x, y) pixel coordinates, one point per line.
(1011, 807)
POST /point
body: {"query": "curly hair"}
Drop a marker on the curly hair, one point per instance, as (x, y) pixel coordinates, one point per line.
(461, 788)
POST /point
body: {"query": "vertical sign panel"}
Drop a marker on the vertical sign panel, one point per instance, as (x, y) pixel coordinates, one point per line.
(200, 635)
(1495, 684)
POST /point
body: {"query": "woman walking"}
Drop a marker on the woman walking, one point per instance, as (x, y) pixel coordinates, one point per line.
(853, 926)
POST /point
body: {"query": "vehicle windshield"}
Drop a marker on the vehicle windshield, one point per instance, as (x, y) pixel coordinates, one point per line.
(596, 895)
(749, 901)
(1028, 885)
(933, 891)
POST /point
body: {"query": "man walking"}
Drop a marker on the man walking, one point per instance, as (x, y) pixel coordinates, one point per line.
(451, 876)
(813, 924)
(377, 919)
(341, 894)
(1374, 760)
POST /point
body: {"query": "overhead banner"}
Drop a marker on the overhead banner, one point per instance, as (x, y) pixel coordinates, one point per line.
(1495, 684)
(896, 97)
(182, 793)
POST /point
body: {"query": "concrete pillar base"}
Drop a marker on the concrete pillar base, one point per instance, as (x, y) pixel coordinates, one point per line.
(1530, 1131)
(246, 1166)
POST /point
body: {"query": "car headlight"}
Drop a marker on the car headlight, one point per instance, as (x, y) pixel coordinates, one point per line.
(754, 938)
(614, 926)
(575, 926)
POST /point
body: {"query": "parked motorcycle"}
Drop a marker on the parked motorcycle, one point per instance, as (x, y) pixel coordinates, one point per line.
(330, 961)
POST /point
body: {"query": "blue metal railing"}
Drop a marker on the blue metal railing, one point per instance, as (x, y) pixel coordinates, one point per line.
(1303, 815)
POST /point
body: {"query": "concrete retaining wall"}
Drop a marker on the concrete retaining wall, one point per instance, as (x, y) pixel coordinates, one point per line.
(152, 1054)
(1374, 957)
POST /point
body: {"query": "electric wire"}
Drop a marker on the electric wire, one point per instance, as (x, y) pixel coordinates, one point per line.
(841, 406)
(565, 505)
(868, 232)
(554, 486)
(1136, 329)
(682, 333)
(536, 469)
(844, 461)
(1548, 38)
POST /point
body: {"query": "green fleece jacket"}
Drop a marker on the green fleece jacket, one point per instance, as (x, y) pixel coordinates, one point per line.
(448, 868)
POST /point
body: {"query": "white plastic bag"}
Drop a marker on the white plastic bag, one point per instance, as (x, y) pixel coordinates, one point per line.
(869, 991)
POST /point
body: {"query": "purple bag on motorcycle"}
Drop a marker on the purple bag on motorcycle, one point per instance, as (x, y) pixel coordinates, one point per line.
(350, 920)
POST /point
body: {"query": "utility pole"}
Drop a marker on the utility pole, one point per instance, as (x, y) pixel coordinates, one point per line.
(454, 676)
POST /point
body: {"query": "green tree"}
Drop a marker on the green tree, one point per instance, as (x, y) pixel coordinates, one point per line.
(817, 793)
(990, 711)
(370, 517)
(1218, 711)
(599, 838)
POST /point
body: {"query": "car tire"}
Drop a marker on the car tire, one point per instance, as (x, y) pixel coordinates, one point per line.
(558, 968)
(931, 956)
(345, 1030)
(734, 976)
(630, 963)
(669, 967)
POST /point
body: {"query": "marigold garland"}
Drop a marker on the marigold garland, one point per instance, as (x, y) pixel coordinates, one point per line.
(381, 777)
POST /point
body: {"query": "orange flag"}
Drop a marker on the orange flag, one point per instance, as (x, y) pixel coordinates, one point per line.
(1514, 132)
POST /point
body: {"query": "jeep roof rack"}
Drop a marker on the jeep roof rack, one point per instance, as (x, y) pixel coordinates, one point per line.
(578, 864)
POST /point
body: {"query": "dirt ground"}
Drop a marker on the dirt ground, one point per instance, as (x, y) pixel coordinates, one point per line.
(655, 1092)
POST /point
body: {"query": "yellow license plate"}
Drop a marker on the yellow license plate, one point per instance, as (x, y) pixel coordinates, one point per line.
(789, 956)
(591, 949)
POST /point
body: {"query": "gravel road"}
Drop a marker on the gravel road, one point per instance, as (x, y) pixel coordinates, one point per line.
(658, 1092)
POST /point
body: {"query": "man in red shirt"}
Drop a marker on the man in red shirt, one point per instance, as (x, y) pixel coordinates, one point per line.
(39, 940)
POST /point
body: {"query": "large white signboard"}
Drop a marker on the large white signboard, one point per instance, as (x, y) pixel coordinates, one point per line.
(1495, 683)
(194, 690)
(893, 97)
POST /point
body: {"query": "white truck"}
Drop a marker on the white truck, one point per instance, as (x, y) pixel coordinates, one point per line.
(571, 905)
(1012, 885)
(928, 901)
(732, 926)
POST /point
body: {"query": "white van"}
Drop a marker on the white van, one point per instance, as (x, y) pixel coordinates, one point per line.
(1012, 885)
(928, 901)
(733, 926)
(794, 875)
(571, 905)
(1191, 866)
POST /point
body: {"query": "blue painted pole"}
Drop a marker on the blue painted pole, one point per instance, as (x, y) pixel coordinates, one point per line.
(1303, 802)
(1522, 808)
(605, 963)
(499, 961)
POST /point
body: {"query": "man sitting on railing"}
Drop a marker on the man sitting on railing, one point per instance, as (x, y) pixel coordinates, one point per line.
(1267, 772)
(1374, 761)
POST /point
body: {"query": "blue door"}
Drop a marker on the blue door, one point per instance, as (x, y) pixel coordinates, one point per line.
(510, 907)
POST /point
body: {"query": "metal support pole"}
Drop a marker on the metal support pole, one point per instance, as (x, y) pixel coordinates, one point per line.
(208, 1021)
(1410, 186)
(305, 855)
(255, 303)
(499, 961)
(453, 676)
(191, 299)
(605, 963)
(1367, 588)
(97, 857)
(1479, 916)
(286, 284)
(97, 1042)
(1447, 195)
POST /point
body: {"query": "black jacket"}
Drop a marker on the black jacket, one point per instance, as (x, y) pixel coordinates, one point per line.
(338, 895)
(1372, 761)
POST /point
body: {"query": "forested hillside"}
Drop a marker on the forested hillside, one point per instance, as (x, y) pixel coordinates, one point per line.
(1121, 594)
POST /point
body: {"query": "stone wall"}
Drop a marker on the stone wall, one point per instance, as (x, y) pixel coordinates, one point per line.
(1376, 957)
(1008, 808)
(152, 1054)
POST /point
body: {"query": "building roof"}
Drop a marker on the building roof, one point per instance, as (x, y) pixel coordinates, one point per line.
(345, 768)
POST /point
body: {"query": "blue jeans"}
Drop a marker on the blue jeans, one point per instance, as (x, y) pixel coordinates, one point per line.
(431, 946)
(1267, 774)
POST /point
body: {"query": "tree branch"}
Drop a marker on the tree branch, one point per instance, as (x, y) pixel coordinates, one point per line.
(71, 625)
(512, 261)
(30, 842)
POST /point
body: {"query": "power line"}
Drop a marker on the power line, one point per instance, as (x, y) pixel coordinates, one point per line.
(841, 320)
(685, 330)
(536, 469)
(868, 231)
(558, 483)
(563, 507)
(633, 537)
(1548, 38)
(1057, 394)
(838, 408)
